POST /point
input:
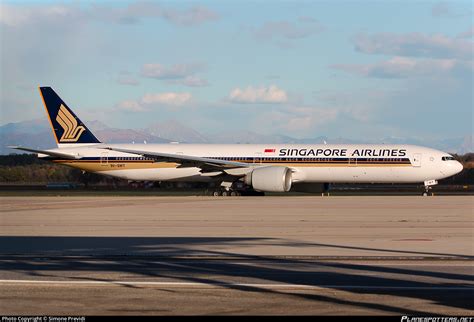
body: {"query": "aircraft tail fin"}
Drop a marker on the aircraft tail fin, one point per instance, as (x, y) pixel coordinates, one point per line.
(67, 127)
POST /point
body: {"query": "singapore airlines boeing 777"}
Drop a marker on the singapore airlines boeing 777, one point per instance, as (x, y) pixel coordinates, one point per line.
(239, 167)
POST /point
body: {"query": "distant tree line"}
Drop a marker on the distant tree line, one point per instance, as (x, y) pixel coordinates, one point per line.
(27, 168)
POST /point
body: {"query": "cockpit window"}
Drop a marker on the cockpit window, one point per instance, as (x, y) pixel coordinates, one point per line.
(447, 158)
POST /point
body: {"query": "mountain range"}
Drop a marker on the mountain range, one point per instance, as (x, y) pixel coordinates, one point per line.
(37, 134)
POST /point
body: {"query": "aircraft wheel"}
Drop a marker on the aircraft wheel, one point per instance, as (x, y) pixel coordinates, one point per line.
(234, 193)
(225, 193)
(216, 193)
(425, 194)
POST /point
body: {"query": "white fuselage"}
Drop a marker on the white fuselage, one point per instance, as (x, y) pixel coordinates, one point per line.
(309, 162)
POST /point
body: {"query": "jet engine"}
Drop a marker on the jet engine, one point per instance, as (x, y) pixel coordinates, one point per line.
(270, 179)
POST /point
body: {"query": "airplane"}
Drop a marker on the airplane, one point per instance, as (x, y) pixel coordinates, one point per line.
(240, 168)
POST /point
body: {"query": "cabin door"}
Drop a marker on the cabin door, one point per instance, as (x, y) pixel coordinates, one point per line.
(258, 158)
(104, 158)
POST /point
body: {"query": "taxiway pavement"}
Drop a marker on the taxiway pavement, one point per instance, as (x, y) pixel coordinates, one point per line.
(244, 255)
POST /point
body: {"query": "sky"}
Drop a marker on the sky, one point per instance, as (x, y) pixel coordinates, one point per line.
(353, 69)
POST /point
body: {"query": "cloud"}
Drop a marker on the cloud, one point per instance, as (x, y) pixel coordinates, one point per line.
(150, 100)
(305, 119)
(130, 106)
(192, 81)
(181, 74)
(299, 120)
(39, 40)
(282, 33)
(467, 34)
(159, 71)
(403, 67)
(127, 80)
(136, 12)
(170, 98)
(386, 112)
(190, 17)
(271, 94)
(272, 76)
(446, 103)
(284, 29)
(436, 73)
(441, 9)
(444, 9)
(307, 19)
(355, 104)
(414, 45)
(20, 15)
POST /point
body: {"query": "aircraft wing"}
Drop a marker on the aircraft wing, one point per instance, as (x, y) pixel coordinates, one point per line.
(50, 153)
(206, 164)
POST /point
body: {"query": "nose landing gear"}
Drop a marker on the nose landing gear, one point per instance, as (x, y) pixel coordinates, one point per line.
(428, 186)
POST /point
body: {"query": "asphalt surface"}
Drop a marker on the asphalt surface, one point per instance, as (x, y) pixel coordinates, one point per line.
(269, 255)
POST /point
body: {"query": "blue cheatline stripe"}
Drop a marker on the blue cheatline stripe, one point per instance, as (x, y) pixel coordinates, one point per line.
(257, 160)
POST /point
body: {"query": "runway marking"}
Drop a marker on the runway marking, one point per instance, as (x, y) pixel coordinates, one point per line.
(255, 285)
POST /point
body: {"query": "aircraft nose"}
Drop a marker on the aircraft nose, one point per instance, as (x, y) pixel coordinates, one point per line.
(458, 167)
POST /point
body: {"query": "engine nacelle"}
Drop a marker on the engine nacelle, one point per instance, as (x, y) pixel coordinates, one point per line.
(270, 179)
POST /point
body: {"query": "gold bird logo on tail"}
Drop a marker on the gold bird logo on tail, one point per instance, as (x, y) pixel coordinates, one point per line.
(72, 132)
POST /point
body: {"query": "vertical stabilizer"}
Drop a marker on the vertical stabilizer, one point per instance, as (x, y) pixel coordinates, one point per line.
(67, 127)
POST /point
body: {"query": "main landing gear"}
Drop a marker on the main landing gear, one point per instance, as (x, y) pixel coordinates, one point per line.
(428, 186)
(226, 193)
(228, 189)
(235, 189)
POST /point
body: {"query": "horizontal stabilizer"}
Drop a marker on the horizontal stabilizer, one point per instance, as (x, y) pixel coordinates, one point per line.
(47, 152)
